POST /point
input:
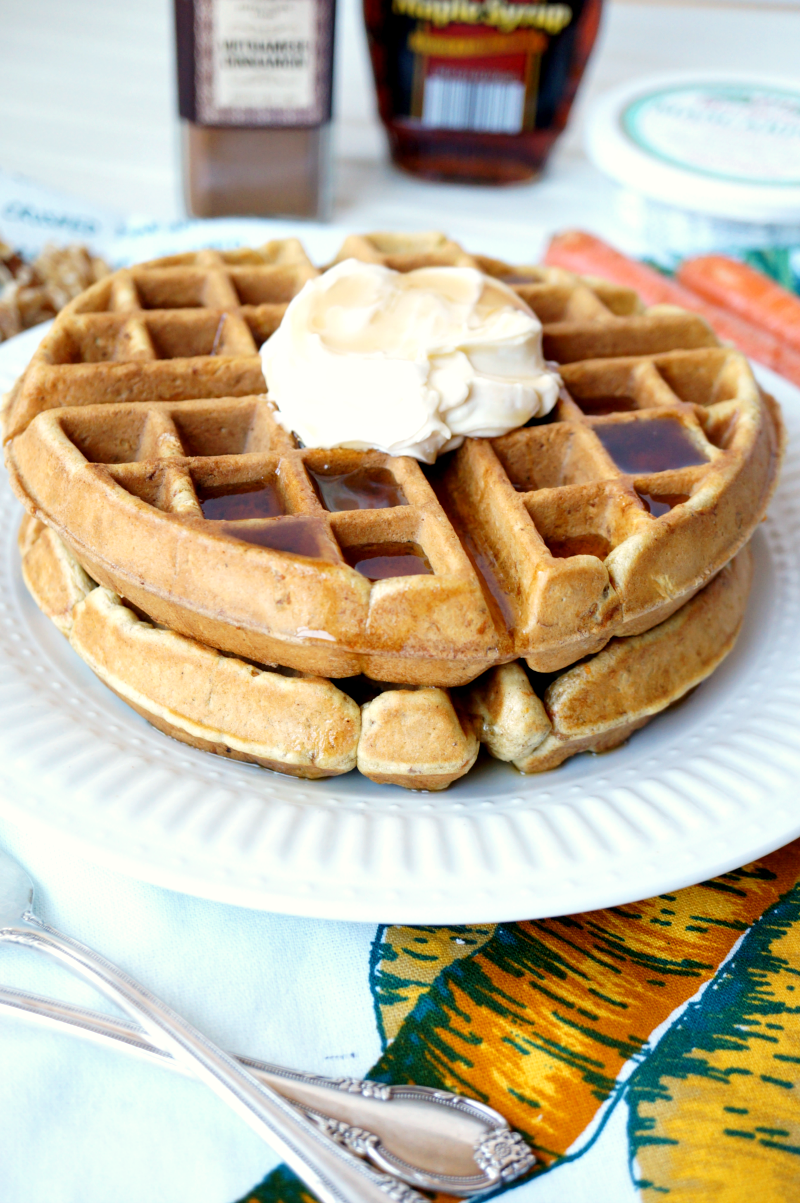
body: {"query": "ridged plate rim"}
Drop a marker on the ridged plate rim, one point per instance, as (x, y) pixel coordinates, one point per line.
(705, 788)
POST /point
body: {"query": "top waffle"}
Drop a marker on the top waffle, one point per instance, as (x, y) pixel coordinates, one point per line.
(190, 325)
(597, 521)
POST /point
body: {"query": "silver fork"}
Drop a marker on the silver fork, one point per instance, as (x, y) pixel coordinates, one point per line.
(326, 1166)
(428, 1138)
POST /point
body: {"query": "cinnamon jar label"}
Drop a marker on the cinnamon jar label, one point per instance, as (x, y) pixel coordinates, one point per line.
(255, 62)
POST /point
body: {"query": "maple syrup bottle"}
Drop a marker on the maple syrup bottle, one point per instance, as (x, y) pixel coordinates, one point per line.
(254, 89)
(477, 90)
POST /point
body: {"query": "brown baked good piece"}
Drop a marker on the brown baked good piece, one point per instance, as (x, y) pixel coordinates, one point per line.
(544, 544)
(654, 473)
(302, 726)
(582, 317)
(536, 545)
(54, 578)
(416, 738)
(193, 322)
(419, 738)
(599, 703)
(404, 252)
(136, 523)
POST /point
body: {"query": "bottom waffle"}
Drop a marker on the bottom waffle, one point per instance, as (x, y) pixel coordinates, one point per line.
(419, 738)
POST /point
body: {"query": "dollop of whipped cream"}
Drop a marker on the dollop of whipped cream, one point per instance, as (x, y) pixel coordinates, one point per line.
(407, 363)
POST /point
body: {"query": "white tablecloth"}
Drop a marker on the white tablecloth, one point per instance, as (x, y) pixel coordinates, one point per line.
(86, 1124)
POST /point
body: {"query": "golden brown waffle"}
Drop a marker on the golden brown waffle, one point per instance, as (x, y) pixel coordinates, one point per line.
(189, 326)
(567, 548)
(609, 517)
(405, 252)
(582, 317)
(184, 326)
(600, 702)
(120, 484)
(597, 521)
(421, 738)
(53, 576)
(415, 738)
(303, 726)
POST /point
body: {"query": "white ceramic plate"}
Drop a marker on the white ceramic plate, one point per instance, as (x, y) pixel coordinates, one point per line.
(706, 787)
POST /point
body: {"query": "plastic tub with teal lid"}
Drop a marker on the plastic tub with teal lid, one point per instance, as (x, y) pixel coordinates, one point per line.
(701, 162)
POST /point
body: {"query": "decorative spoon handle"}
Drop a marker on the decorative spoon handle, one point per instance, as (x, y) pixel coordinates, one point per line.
(429, 1138)
(329, 1170)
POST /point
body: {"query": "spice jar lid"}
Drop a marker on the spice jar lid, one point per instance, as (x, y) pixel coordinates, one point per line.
(716, 144)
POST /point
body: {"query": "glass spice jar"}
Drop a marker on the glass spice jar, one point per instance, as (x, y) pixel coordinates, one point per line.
(254, 92)
(477, 90)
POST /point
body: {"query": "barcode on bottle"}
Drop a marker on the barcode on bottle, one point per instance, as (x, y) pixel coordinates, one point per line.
(494, 103)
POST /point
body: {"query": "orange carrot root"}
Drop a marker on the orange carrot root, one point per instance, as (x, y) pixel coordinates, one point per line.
(587, 255)
(746, 292)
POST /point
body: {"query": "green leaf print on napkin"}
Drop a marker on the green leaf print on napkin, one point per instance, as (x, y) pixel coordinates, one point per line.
(715, 1110)
(281, 1186)
(538, 1018)
(406, 961)
(775, 262)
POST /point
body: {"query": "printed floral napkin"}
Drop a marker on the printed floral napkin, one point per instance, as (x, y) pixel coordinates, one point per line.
(663, 1036)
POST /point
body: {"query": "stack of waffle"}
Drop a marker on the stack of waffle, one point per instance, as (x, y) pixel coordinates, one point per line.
(313, 611)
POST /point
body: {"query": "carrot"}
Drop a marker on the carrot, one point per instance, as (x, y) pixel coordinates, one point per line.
(590, 256)
(587, 255)
(746, 292)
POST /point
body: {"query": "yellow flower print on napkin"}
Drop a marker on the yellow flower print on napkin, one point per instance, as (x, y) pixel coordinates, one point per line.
(715, 1111)
(540, 1020)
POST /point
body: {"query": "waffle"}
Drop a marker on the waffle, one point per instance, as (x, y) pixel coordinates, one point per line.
(157, 331)
(597, 704)
(405, 252)
(302, 726)
(582, 317)
(180, 327)
(422, 738)
(587, 525)
(416, 738)
(305, 727)
(310, 611)
(599, 521)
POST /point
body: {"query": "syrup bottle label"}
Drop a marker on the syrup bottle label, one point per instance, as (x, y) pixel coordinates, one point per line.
(255, 62)
(491, 66)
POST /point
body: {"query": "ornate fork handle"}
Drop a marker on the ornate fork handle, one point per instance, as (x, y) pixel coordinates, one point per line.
(327, 1168)
(429, 1138)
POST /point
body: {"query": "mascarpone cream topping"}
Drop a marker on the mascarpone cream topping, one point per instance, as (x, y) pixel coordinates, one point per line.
(407, 363)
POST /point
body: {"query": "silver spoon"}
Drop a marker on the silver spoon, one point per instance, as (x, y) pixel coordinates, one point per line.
(327, 1168)
(428, 1138)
